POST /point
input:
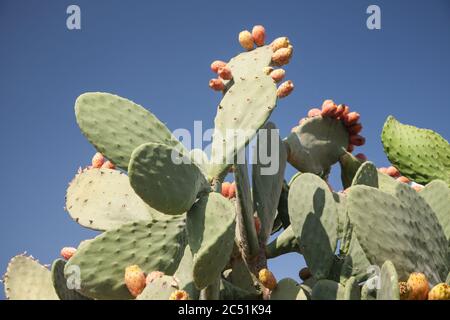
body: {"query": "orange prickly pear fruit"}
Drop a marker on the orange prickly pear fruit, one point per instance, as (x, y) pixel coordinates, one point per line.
(226, 189)
(285, 89)
(257, 224)
(97, 160)
(339, 111)
(393, 171)
(216, 84)
(216, 65)
(354, 129)
(351, 118)
(232, 191)
(134, 280)
(278, 75)
(305, 274)
(278, 43)
(153, 276)
(179, 295)
(314, 112)
(267, 279)
(282, 56)
(68, 252)
(225, 73)
(259, 35)
(246, 40)
(357, 140)
(418, 286)
(328, 108)
(108, 165)
(404, 290)
(441, 291)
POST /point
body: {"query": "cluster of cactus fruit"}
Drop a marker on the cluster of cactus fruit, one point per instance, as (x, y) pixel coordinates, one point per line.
(177, 231)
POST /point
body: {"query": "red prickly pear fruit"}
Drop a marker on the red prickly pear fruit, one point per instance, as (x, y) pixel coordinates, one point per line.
(68, 252)
(285, 89)
(134, 280)
(393, 172)
(314, 112)
(278, 43)
(216, 65)
(225, 73)
(354, 129)
(339, 111)
(259, 35)
(179, 295)
(97, 160)
(278, 75)
(418, 286)
(305, 274)
(216, 84)
(257, 224)
(267, 279)
(351, 118)
(246, 40)
(226, 189)
(441, 291)
(328, 108)
(357, 140)
(282, 56)
(361, 156)
(152, 276)
(350, 148)
(382, 170)
(403, 179)
(232, 191)
(108, 165)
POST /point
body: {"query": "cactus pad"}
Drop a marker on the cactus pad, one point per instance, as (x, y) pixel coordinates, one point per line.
(286, 242)
(116, 126)
(184, 275)
(327, 290)
(250, 63)
(367, 175)
(389, 289)
(60, 283)
(159, 289)
(287, 289)
(349, 166)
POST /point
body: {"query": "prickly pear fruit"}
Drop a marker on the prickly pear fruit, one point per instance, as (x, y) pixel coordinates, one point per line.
(267, 279)
(246, 40)
(403, 179)
(404, 290)
(418, 286)
(278, 75)
(305, 274)
(393, 171)
(354, 129)
(282, 56)
(339, 111)
(357, 140)
(134, 280)
(259, 35)
(225, 191)
(232, 191)
(350, 148)
(328, 108)
(285, 89)
(97, 160)
(361, 156)
(179, 295)
(108, 165)
(257, 224)
(216, 65)
(351, 118)
(216, 84)
(441, 291)
(225, 73)
(314, 112)
(278, 43)
(68, 252)
(153, 276)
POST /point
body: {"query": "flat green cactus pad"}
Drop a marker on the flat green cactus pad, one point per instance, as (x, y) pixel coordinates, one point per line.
(317, 144)
(116, 126)
(229, 291)
(61, 284)
(155, 245)
(349, 166)
(268, 177)
(287, 289)
(164, 178)
(422, 155)
(355, 263)
(367, 175)
(184, 275)
(388, 282)
(211, 229)
(314, 220)
(159, 289)
(243, 110)
(250, 63)
(286, 242)
(102, 199)
(328, 290)
(384, 224)
(352, 290)
(26, 279)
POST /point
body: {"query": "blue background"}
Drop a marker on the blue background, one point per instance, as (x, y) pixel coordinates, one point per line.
(158, 53)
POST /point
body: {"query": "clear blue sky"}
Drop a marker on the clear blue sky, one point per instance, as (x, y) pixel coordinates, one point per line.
(158, 53)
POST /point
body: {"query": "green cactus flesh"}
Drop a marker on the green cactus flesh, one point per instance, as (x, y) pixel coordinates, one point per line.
(351, 289)
(62, 285)
(388, 283)
(268, 179)
(349, 166)
(102, 199)
(328, 290)
(116, 126)
(384, 224)
(314, 220)
(355, 263)
(168, 185)
(367, 175)
(229, 291)
(184, 275)
(154, 245)
(243, 110)
(159, 289)
(421, 155)
(317, 144)
(26, 279)
(211, 229)
(286, 242)
(287, 289)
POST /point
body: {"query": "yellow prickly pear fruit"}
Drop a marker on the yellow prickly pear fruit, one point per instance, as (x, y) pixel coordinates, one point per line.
(285, 89)
(404, 290)
(246, 40)
(441, 291)
(267, 279)
(259, 35)
(282, 56)
(134, 280)
(418, 286)
(278, 43)
(179, 295)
